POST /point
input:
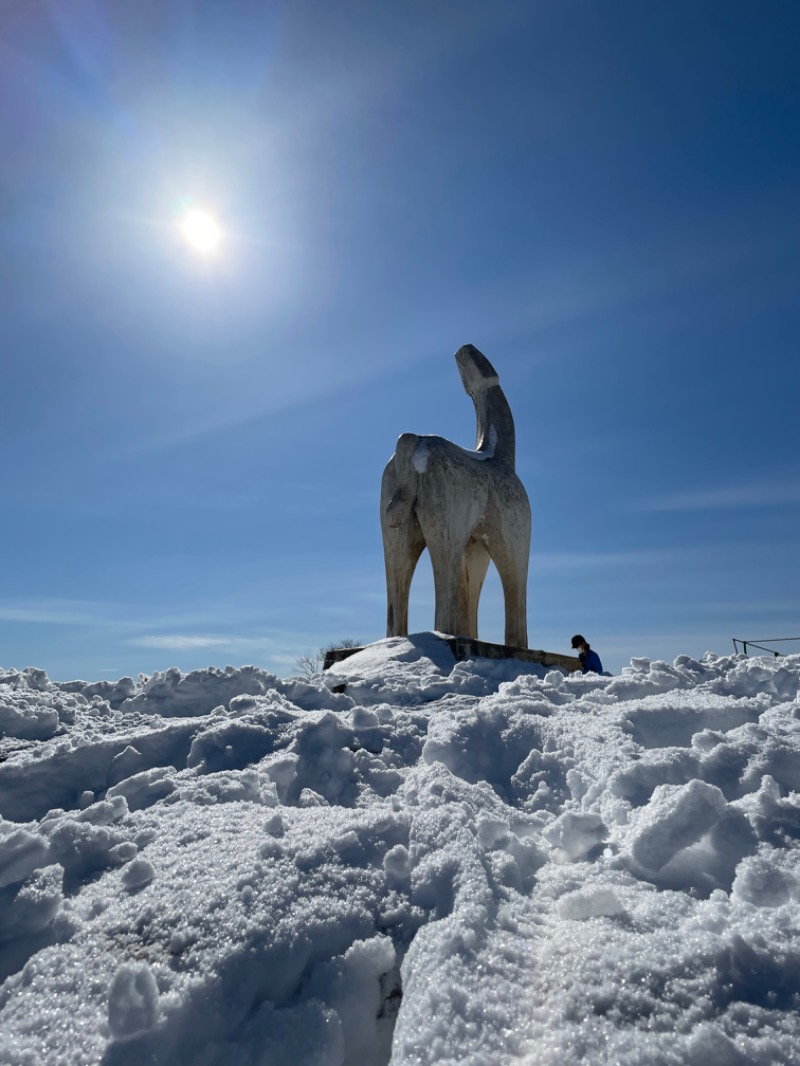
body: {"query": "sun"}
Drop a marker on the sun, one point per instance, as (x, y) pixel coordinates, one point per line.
(201, 231)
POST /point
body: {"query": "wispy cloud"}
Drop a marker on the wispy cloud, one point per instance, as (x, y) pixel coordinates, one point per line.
(279, 646)
(120, 617)
(234, 642)
(59, 612)
(596, 560)
(107, 615)
(183, 642)
(776, 494)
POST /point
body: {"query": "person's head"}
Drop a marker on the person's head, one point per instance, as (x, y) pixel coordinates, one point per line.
(579, 642)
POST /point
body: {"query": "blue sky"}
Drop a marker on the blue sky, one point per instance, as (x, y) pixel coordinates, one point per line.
(602, 197)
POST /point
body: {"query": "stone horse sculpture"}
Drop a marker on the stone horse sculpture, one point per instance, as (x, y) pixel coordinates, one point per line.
(466, 508)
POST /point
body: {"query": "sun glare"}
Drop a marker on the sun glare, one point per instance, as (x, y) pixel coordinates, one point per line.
(201, 231)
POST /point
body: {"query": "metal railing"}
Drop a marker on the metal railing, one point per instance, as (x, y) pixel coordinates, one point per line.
(761, 644)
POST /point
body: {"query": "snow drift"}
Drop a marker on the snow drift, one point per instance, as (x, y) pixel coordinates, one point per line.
(473, 863)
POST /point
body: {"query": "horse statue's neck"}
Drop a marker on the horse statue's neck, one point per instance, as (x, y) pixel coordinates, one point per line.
(495, 426)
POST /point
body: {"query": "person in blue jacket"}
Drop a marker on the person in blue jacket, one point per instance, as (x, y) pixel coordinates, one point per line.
(590, 660)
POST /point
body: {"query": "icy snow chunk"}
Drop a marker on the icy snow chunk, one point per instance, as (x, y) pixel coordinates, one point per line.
(282, 769)
(137, 874)
(364, 718)
(492, 831)
(676, 817)
(105, 812)
(111, 692)
(574, 835)
(124, 852)
(528, 857)
(171, 693)
(373, 772)
(228, 786)
(128, 762)
(21, 852)
(132, 1001)
(660, 722)
(81, 847)
(539, 782)
(489, 742)
(326, 763)
(709, 1046)
(596, 901)
(397, 865)
(145, 789)
(34, 905)
(275, 825)
(230, 745)
(761, 881)
(733, 837)
(350, 984)
(778, 756)
(308, 1034)
(759, 674)
(37, 679)
(576, 784)
(638, 780)
(28, 722)
(314, 694)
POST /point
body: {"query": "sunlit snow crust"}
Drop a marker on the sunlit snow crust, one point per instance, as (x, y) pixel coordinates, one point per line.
(472, 863)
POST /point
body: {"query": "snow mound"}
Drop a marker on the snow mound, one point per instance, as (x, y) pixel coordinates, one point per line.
(476, 862)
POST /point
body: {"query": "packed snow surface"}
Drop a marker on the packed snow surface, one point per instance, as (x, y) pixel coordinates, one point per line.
(474, 863)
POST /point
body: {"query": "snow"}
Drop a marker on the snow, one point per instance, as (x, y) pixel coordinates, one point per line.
(473, 863)
(132, 1001)
(420, 456)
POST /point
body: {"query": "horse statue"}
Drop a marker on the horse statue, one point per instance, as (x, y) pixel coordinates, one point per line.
(465, 507)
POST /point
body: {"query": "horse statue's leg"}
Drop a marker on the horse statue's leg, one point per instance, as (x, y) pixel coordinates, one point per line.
(473, 574)
(403, 541)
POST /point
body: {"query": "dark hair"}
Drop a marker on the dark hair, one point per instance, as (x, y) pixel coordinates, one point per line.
(577, 640)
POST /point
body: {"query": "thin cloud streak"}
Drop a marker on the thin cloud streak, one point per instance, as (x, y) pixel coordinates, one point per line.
(62, 612)
(282, 648)
(774, 495)
(106, 615)
(544, 561)
(182, 642)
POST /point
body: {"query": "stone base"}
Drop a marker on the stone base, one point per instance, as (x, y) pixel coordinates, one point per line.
(470, 648)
